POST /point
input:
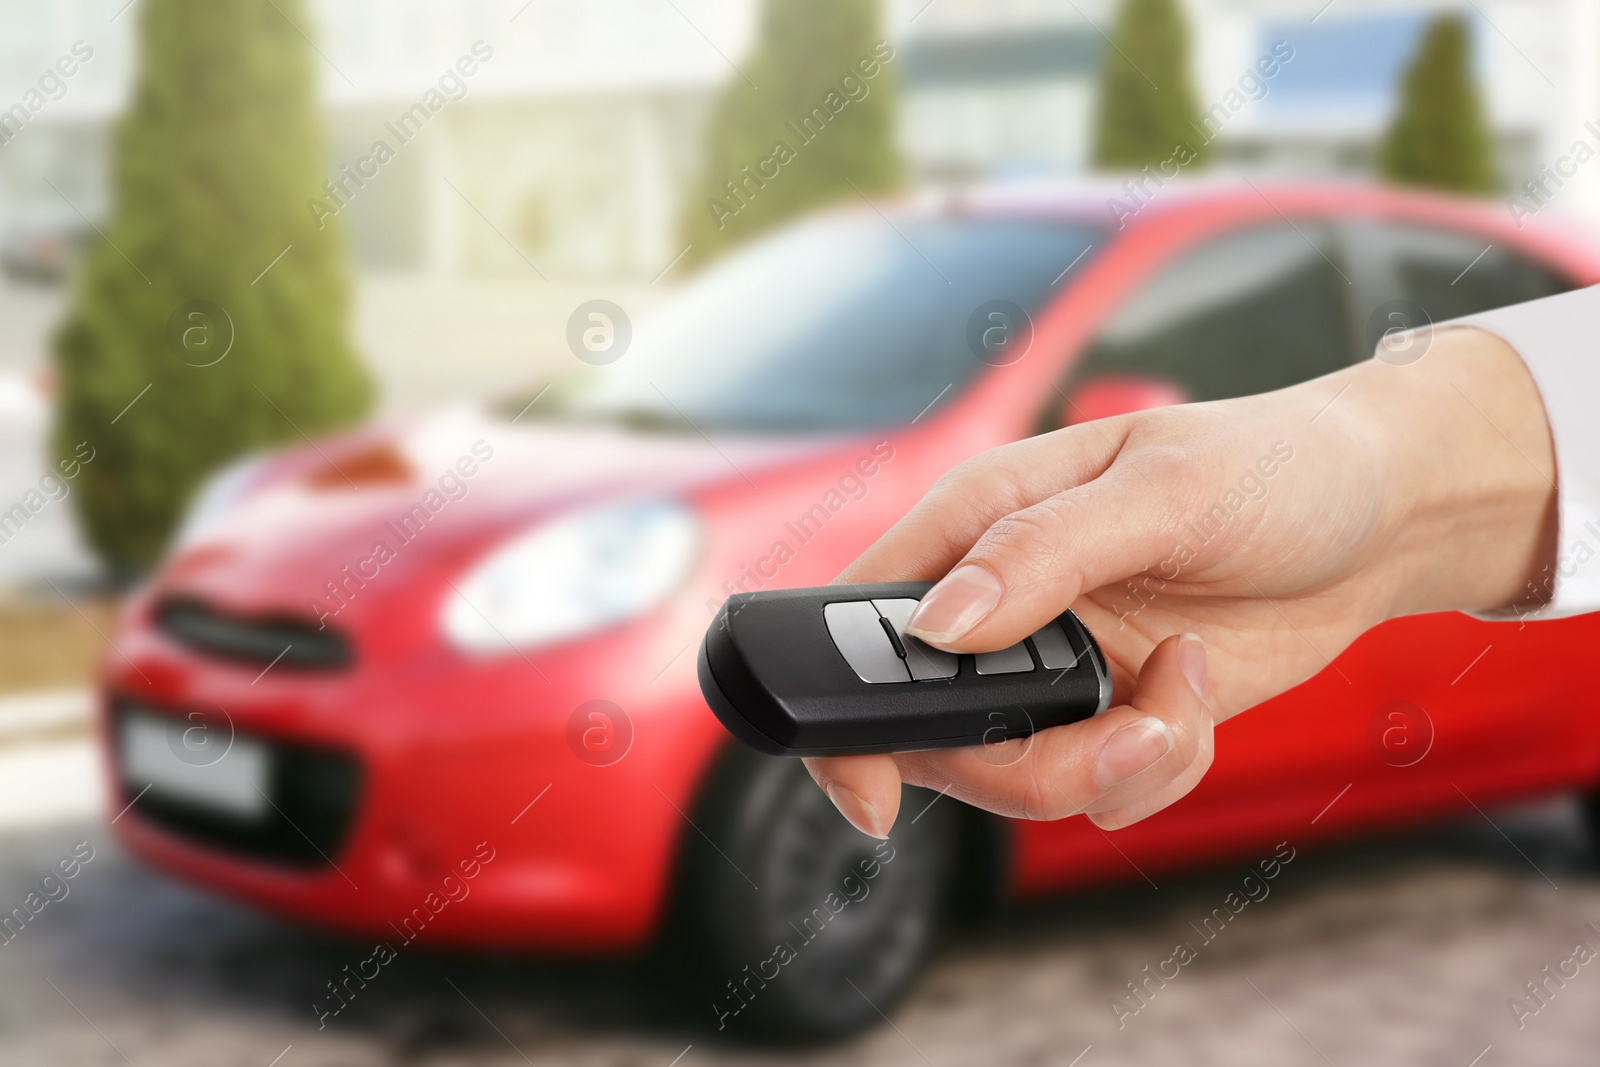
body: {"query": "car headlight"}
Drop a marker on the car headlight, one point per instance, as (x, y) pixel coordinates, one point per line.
(573, 575)
(217, 496)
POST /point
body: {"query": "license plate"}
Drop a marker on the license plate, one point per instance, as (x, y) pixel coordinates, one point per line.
(198, 761)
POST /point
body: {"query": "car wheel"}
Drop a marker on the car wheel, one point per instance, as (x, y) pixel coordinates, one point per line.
(1589, 806)
(799, 925)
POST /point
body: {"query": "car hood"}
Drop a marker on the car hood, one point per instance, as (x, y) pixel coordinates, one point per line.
(437, 491)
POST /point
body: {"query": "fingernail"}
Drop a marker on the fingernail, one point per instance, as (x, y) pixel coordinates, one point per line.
(957, 604)
(1133, 748)
(1192, 661)
(857, 812)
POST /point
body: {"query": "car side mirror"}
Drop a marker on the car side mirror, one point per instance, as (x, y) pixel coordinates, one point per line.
(1117, 394)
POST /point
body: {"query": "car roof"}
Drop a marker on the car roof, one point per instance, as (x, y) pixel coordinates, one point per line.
(1088, 199)
(1557, 234)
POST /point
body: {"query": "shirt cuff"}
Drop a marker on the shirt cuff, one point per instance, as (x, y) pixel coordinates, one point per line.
(1555, 337)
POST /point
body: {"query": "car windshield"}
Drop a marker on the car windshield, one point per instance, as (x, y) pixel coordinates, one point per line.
(846, 322)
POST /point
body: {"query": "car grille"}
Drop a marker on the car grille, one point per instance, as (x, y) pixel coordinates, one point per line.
(313, 792)
(286, 642)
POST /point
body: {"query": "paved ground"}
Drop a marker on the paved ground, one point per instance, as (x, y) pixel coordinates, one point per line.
(49, 770)
(1399, 953)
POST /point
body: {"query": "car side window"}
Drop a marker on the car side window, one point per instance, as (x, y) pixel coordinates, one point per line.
(1246, 312)
(1452, 274)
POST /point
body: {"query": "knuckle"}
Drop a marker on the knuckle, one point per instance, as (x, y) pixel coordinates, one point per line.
(1036, 808)
(1186, 482)
(1024, 528)
(1040, 803)
(1040, 800)
(989, 478)
(1167, 465)
(1029, 542)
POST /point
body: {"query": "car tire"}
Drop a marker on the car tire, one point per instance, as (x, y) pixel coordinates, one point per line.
(1589, 808)
(771, 866)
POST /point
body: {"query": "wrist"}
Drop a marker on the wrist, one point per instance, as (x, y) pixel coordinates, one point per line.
(1471, 468)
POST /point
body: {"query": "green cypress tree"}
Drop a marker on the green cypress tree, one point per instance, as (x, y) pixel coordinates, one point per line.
(1440, 138)
(1146, 103)
(214, 165)
(802, 89)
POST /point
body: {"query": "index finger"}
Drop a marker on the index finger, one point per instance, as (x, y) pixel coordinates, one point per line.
(1123, 764)
(934, 535)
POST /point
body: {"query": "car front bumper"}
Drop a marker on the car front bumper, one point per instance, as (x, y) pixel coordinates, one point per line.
(455, 762)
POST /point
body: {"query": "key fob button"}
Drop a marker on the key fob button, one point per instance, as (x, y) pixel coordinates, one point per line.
(926, 662)
(802, 672)
(1055, 651)
(860, 638)
(1013, 660)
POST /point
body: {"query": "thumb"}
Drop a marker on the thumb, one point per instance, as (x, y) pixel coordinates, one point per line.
(1029, 566)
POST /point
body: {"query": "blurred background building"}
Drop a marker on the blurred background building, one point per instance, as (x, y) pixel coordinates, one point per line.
(578, 140)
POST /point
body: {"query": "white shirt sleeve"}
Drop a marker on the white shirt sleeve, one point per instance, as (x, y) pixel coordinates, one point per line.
(1556, 338)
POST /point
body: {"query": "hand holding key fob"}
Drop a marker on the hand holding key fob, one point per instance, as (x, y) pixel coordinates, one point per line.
(830, 671)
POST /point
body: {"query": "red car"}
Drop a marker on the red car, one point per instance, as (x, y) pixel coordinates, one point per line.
(435, 682)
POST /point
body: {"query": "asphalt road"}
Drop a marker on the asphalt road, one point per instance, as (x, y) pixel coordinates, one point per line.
(1401, 952)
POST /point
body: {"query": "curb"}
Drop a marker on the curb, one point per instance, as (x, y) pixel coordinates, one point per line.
(24, 715)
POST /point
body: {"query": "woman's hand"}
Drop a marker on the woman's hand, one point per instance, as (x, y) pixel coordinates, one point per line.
(1221, 553)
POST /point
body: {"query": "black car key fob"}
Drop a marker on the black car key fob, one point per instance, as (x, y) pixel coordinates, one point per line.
(830, 671)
